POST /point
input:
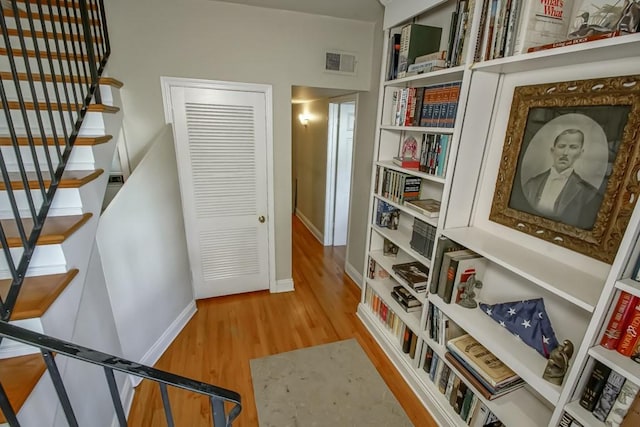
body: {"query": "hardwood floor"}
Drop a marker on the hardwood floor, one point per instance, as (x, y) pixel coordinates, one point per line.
(227, 332)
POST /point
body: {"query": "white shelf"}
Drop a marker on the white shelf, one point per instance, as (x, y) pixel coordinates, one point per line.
(630, 286)
(390, 165)
(574, 285)
(402, 238)
(619, 363)
(387, 263)
(582, 416)
(424, 79)
(521, 358)
(414, 213)
(383, 288)
(584, 53)
(446, 131)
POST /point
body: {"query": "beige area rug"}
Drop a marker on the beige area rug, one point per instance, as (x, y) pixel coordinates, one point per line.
(328, 385)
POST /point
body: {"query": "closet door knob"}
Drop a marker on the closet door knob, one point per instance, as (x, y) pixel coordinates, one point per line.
(261, 219)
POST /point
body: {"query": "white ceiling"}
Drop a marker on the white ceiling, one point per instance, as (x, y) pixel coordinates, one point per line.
(301, 94)
(361, 10)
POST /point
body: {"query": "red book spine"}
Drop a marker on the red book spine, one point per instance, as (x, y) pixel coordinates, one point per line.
(623, 310)
(630, 336)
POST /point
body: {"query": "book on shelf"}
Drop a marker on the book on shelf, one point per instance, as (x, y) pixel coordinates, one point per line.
(387, 215)
(631, 335)
(406, 340)
(392, 57)
(416, 40)
(426, 67)
(442, 376)
(414, 274)
(481, 361)
(413, 345)
(434, 152)
(571, 42)
(444, 245)
(417, 113)
(568, 421)
(594, 386)
(407, 162)
(622, 312)
(452, 394)
(622, 404)
(428, 359)
(439, 55)
(459, 32)
(427, 207)
(406, 306)
(595, 17)
(433, 371)
(405, 296)
(389, 248)
(473, 380)
(632, 419)
(608, 396)
(423, 236)
(542, 22)
(468, 404)
(399, 187)
(457, 267)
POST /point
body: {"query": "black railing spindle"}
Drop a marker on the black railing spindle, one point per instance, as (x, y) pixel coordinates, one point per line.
(115, 396)
(52, 367)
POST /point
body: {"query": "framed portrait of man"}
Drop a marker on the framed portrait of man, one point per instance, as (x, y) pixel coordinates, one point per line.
(566, 168)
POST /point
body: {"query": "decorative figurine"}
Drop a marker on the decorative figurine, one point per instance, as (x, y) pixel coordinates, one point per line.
(468, 294)
(558, 363)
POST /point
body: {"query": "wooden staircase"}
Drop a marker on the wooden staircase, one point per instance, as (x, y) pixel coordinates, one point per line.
(50, 293)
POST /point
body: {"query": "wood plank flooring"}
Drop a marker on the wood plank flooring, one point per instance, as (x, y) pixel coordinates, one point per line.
(227, 332)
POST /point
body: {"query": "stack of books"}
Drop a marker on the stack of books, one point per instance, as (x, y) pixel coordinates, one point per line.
(408, 302)
(480, 367)
(427, 207)
(414, 274)
(456, 268)
(416, 40)
(430, 106)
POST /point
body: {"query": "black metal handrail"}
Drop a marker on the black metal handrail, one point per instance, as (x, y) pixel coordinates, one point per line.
(57, 51)
(48, 346)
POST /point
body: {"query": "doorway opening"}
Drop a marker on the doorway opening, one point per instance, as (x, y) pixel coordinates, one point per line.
(323, 135)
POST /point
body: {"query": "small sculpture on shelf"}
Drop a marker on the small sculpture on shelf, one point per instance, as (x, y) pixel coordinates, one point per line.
(468, 293)
(558, 363)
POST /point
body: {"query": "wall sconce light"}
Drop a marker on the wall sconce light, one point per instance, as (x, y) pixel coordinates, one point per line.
(304, 119)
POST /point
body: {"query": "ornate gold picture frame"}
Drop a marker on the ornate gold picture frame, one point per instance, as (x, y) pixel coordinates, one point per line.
(570, 165)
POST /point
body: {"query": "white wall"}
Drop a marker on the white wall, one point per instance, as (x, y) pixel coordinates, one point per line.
(362, 164)
(221, 41)
(310, 148)
(94, 328)
(144, 252)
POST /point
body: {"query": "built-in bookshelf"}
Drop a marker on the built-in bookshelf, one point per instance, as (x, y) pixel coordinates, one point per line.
(578, 292)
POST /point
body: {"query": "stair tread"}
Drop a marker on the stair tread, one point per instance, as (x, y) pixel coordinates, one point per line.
(55, 231)
(50, 35)
(17, 53)
(48, 18)
(19, 377)
(37, 293)
(81, 140)
(70, 179)
(42, 106)
(107, 81)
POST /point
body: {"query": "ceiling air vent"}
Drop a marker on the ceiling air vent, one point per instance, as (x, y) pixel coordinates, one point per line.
(340, 62)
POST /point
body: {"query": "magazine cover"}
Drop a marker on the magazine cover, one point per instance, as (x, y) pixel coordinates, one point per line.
(595, 17)
(543, 22)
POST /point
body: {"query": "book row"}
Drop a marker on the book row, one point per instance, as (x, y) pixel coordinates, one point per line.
(415, 49)
(399, 187)
(611, 398)
(454, 264)
(509, 27)
(623, 326)
(462, 398)
(430, 106)
(434, 151)
(423, 237)
(407, 339)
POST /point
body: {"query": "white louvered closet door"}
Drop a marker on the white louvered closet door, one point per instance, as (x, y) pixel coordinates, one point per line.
(222, 165)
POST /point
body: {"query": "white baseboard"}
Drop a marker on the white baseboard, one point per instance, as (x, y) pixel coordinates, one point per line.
(160, 346)
(312, 228)
(355, 275)
(284, 285)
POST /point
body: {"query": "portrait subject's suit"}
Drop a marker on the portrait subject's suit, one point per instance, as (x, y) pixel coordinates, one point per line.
(577, 204)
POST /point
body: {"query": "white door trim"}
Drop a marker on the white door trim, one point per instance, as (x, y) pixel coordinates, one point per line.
(168, 82)
(332, 163)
